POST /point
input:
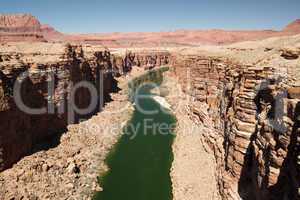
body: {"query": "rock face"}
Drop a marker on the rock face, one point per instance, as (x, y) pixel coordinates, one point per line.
(255, 110)
(255, 120)
(290, 53)
(61, 71)
(19, 28)
(55, 159)
(251, 112)
(70, 170)
(50, 34)
(293, 27)
(20, 130)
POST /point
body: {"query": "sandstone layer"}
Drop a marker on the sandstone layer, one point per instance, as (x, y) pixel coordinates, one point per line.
(250, 96)
(65, 165)
(20, 27)
(61, 67)
(243, 101)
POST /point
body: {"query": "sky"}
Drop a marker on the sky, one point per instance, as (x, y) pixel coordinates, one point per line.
(99, 16)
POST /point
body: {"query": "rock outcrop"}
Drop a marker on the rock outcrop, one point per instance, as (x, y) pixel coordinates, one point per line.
(20, 28)
(293, 27)
(50, 76)
(255, 111)
(290, 53)
(249, 104)
(60, 166)
(71, 169)
(20, 131)
(52, 35)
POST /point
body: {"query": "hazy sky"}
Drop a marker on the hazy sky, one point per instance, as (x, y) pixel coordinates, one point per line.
(156, 15)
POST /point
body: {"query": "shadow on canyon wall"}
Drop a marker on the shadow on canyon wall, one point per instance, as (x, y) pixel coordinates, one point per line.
(289, 176)
(254, 178)
(23, 134)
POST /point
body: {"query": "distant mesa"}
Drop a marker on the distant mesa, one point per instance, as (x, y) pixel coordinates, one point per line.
(25, 27)
(50, 34)
(19, 22)
(20, 27)
(293, 27)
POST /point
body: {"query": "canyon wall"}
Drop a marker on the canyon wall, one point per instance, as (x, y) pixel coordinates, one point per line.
(21, 130)
(255, 112)
(49, 80)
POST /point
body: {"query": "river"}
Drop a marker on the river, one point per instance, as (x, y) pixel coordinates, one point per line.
(139, 165)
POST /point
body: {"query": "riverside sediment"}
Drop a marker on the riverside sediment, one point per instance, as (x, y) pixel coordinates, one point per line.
(194, 166)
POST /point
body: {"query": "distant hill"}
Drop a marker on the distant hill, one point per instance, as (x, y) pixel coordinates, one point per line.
(20, 27)
(293, 27)
(50, 34)
(25, 27)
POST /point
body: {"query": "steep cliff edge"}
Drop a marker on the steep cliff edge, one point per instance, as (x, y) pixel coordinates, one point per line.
(49, 74)
(50, 34)
(254, 109)
(245, 97)
(21, 129)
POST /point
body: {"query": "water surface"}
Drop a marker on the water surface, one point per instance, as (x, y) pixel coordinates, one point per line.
(141, 161)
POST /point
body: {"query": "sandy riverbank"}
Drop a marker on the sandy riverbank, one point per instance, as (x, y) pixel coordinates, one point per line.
(193, 169)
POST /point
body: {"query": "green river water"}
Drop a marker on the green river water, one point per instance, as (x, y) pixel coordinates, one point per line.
(140, 162)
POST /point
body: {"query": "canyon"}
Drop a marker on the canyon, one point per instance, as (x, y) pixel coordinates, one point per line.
(237, 108)
(63, 69)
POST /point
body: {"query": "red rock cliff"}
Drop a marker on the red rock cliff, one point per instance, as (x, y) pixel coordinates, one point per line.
(293, 27)
(20, 27)
(255, 110)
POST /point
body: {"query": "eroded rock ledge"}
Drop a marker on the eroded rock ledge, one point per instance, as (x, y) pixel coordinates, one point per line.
(255, 112)
(62, 67)
(249, 114)
(70, 170)
(65, 166)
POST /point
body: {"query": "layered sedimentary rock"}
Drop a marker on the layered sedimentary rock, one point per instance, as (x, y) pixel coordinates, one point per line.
(122, 63)
(252, 110)
(69, 169)
(255, 110)
(19, 28)
(21, 130)
(49, 76)
(51, 35)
